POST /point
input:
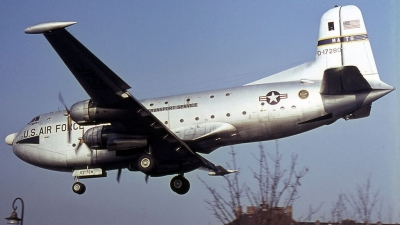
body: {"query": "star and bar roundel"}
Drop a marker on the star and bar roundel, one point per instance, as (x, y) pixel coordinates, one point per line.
(273, 97)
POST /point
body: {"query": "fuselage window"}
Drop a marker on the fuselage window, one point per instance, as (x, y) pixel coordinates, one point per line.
(331, 26)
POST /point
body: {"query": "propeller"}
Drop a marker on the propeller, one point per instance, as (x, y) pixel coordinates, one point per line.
(69, 122)
(119, 174)
(80, 143)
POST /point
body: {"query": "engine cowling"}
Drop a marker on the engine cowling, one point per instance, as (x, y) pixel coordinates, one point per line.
(104, 137)
(80, 112)
(96, 137)
(86, 113)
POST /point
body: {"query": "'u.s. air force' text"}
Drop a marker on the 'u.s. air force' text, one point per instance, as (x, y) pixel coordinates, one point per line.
(49, 129)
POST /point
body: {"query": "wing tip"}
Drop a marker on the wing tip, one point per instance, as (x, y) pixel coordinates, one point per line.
(44, 27)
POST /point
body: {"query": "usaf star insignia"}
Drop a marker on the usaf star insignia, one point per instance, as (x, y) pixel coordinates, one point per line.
(273, 97)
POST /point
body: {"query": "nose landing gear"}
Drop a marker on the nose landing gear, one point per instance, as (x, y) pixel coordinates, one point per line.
(78, 188)
(180, 185)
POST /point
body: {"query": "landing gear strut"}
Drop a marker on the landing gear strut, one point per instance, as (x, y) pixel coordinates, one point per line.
(180, 185)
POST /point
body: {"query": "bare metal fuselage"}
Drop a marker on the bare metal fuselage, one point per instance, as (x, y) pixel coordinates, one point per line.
(162, 136)
(205, 120)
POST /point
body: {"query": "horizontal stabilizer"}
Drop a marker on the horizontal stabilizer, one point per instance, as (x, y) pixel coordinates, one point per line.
(343, 80)
(221, 171)
(45, 27)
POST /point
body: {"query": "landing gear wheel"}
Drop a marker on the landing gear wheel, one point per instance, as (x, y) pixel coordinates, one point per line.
(180, 185)
(146, 163)
(78, 188)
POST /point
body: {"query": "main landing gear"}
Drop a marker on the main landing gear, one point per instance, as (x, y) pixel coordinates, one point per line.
(180, 185)
(147, 164)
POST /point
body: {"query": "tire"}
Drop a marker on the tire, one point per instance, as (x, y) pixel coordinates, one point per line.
(78, 188)
(146, 163)
(180, 185)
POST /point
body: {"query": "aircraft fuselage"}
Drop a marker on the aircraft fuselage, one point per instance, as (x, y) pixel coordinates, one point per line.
(205, 120)
(162, 136)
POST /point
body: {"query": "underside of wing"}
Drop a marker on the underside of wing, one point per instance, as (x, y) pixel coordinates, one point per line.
(103, 86)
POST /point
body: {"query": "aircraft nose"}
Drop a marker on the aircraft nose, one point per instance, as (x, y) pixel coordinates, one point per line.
(10, 139)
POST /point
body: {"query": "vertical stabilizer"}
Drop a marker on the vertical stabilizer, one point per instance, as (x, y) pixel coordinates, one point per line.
(342, 43)
(343, 40)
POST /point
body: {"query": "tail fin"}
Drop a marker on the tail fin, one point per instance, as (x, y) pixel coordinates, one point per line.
(342, 44)
(343, 40)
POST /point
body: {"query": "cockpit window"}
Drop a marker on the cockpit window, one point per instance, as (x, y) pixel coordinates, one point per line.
(34, 120)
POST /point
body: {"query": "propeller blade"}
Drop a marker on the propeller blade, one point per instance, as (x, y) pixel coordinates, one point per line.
(147, 178)
(69, 126)
(81, 142)
(69, 122)
(60, 97)
(78, 146)
(119, 174)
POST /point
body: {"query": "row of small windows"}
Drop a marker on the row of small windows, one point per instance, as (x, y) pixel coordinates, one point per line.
(212, 117)
(188, 99)
(228, 114)
(151, 104)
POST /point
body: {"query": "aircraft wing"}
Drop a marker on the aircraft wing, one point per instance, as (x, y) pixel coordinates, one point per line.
(102, 85)
(108, 90)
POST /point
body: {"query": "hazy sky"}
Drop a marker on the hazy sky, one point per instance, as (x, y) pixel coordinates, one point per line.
(170, 47)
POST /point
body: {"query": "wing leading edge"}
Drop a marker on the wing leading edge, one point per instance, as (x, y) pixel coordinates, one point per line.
(107, 90)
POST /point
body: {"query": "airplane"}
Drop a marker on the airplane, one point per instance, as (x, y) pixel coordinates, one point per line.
(167, 135)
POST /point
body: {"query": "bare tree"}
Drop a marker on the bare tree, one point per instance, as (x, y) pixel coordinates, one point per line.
(311, 212)
(390, 214)
(276, 187)
(225, 208)
(379, 212)
(339, 211)
(363, 203)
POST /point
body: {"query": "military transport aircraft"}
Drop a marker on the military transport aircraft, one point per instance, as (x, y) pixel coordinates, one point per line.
(162, 136)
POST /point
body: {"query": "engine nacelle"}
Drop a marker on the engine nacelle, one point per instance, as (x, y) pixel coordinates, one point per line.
(86, 113)
(96, 137)
(104, 137)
